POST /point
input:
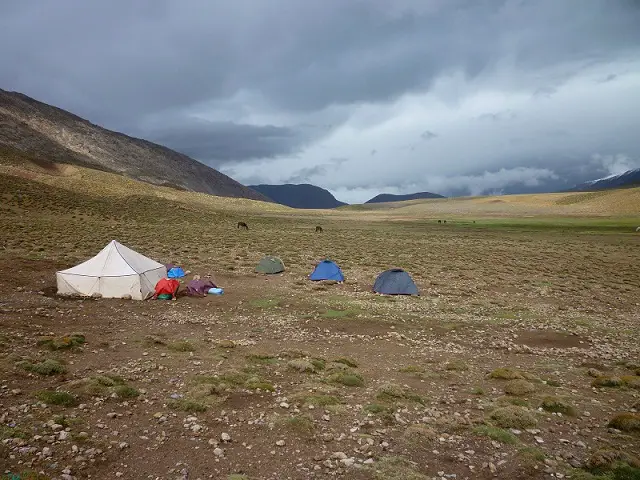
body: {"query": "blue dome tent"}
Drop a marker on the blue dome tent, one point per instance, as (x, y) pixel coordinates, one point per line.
(327, 270)
(175, 272)
(395, 282)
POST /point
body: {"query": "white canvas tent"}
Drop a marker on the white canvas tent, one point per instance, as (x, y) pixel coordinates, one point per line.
(115, 272)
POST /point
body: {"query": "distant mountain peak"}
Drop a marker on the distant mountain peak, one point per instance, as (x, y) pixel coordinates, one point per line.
(390, 197)
(630, 178)
(299, 195)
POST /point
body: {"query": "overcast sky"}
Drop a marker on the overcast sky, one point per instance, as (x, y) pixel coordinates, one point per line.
(357, 96)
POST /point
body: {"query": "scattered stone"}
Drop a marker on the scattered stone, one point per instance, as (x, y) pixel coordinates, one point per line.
(348, 462)
(280, 443)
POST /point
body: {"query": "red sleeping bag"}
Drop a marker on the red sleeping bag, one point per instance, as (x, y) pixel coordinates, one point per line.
(167, 286)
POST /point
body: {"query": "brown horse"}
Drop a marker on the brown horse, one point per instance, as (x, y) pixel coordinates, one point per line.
(243, 225)
(319, 229)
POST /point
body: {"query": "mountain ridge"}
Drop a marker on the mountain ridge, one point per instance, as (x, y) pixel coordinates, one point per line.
(52, 134)
(299, 195)
(390, 197)
(630, 178)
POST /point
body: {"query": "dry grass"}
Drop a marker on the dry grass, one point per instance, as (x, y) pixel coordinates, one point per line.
(513, 417)
(46, 367)
(627, 422)
(492, 293)
(519, 387)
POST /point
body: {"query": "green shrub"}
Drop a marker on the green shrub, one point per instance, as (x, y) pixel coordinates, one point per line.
(557, 405)
(346, 361)
(62, 343)
(346, 378)
(185, 405)
(497, 434)
(182, 346)
(46, 368)
(519, 387)
(50, 397)
(513, 417)
(627, 422)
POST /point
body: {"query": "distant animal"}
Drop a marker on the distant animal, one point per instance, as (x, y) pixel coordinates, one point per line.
(445, 221)
(439, 221)
(638, 229)
(319, 228)
(243, 225)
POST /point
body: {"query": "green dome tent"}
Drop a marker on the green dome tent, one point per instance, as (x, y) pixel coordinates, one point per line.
(270, 265)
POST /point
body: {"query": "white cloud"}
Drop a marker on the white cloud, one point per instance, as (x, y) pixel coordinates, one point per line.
(488, 139)
(616, 164)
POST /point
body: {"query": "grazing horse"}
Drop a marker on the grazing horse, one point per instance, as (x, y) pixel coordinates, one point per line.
(319, 229)
(445, 221)
(243, 225)
(439, 221)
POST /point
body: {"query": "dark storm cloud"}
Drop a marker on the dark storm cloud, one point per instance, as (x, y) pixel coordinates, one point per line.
(261, 78)
(217, 142)
(306, 175)
(139, 57)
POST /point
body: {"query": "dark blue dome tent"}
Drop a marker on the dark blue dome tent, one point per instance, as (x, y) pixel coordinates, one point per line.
(395, 282)
(327, 270)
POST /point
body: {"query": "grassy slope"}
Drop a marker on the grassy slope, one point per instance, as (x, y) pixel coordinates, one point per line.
(608, 203)
(613, 209)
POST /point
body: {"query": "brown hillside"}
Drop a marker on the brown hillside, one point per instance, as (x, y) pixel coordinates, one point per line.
(50, 134)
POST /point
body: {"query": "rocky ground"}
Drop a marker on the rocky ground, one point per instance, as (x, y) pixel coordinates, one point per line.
(519, 360)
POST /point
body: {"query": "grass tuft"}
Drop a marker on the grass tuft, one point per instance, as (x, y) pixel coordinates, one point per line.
(185, 405)
(456, 365)
(390, 392)
(301, 365)
(396, 468)
(262, 358)
(346, 361)
(607, 381)
(495, 433)
(627, 422)
(50, 397)
(65, 342)
(418, 434)
(519, 387)
(557, 405)
(346, 378)
(377, 408)
(317, 400)
(300, 424)
(506, 374)
(125, 391)
(182, 346)
(513, 416)
(47, 367)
